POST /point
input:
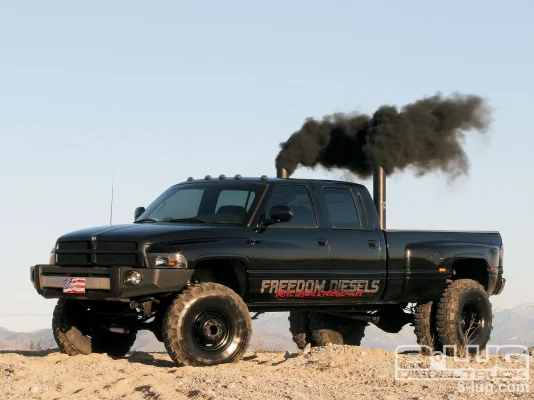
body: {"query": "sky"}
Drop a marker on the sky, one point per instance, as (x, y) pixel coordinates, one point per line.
(159, 91)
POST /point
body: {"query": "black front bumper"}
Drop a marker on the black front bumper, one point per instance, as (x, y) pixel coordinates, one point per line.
(108, 283)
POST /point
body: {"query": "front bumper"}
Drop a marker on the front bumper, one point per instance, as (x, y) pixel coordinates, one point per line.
(107, 283)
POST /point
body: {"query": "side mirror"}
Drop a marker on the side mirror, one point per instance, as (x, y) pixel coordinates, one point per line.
(279, 214)
(138, 211)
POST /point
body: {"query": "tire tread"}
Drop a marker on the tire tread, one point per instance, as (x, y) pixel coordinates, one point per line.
(447, 309)
(299, 327)
(171, 332)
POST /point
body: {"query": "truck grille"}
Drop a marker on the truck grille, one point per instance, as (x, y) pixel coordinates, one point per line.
(86, 253)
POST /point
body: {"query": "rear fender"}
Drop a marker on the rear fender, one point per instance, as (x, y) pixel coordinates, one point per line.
(428, 265)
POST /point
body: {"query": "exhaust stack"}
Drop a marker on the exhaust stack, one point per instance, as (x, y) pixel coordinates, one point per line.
(379, 194)
(281, 173)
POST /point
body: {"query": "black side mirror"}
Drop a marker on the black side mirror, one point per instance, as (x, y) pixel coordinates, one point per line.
(138, 211)
(279, 214)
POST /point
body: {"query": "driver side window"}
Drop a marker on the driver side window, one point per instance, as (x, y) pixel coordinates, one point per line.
(298, 198)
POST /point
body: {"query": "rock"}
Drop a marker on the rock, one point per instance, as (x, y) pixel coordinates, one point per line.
(34, 389)
(531, 351)
(307, 349)
(380, 375)
(20, 374)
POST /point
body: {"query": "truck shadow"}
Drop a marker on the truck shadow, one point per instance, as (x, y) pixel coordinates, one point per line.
(135, 357)
(140, 357)
(30, 353)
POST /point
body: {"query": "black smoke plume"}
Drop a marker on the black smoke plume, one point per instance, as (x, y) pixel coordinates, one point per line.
(426, 135)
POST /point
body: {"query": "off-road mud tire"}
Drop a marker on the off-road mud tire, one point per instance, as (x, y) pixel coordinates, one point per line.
(425, 327)
(324, 329)
(74, 335)
(352, 331)
(327, 328)
(68, 329)
(299, 326)
(456, 295)
(226, 308)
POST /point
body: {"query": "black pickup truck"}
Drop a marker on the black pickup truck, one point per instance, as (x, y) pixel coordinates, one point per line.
(207, 252)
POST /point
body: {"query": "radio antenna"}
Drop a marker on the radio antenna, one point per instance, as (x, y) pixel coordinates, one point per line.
(111, 211)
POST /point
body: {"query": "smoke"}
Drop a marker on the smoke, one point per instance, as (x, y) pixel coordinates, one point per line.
(426, 135)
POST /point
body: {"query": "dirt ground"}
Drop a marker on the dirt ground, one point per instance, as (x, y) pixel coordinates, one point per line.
(334, 372)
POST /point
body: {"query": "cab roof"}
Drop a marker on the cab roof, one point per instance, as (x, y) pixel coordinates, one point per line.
(262, 179)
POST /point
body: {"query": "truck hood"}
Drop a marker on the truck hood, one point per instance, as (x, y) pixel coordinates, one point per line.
(147, 233)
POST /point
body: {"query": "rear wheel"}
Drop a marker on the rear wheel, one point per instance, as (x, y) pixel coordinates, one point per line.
(75, 335)
(327, 328)
(299, 326)
(352, 331)
(464, 316)
(425, 327)
(207, 324)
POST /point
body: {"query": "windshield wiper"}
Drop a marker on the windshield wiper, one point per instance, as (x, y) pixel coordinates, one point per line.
(192, 219)
(147, 220)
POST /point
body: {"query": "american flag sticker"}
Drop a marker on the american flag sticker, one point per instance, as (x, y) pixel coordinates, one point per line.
(74, 285)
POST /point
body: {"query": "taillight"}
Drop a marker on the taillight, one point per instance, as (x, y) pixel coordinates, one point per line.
(501, 257)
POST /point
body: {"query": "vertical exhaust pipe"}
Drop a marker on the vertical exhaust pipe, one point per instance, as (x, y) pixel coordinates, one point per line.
(379, 194)
(281, 173)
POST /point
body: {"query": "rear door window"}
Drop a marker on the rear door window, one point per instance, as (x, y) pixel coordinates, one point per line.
(341, 208)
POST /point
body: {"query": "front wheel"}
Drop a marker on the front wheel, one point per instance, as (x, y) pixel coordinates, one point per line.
(75, 334)
(207, 324)
(464, 317)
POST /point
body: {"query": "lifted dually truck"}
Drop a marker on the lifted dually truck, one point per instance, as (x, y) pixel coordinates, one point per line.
(207, 252)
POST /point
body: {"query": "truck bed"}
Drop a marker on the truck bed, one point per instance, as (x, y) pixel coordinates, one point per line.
(418, 261)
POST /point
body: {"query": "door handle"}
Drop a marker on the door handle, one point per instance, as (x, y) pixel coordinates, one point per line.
(372, 244)
(253, 241)
(322, 242)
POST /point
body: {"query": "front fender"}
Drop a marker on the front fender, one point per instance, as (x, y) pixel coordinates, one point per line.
(196, 251)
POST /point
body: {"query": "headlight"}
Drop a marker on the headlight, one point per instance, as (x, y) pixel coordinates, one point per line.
(52, 260)
(165, 260)
(132, 278)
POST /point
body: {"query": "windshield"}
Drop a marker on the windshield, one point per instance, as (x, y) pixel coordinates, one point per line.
(220, 203)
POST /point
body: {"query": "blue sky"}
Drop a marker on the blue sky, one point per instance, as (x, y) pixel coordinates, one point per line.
(163, 90)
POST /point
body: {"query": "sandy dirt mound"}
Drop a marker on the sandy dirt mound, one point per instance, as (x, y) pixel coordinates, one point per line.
(334, 372)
